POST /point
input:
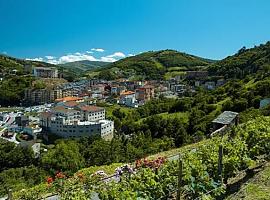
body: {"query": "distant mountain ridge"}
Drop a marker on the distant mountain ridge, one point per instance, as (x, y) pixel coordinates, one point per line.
(153, 65)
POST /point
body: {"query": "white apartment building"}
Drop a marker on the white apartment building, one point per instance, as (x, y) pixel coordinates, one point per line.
(79, 121)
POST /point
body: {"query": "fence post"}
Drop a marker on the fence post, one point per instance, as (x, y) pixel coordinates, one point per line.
(180, 171)
(10, 194)
(220, 165)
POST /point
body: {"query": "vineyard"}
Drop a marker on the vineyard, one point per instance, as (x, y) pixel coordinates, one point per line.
(158, 178)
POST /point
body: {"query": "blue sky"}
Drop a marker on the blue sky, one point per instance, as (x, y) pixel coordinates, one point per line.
(67, 30)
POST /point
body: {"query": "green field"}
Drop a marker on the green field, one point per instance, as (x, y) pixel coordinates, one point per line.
(182, 115)
(172, 74)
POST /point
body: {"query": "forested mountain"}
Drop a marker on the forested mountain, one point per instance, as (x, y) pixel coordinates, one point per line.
(244, 62)
(83, 65)
(153, 65)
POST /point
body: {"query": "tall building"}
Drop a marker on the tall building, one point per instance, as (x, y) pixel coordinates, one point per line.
(45, 72)
(73, 120)
(41, 96)
(145, 93)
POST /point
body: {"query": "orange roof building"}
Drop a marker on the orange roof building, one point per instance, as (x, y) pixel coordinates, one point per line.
(65, 99)
(127, 93)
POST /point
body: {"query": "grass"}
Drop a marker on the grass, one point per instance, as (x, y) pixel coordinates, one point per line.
(177, 69)
(257, 188)
(109, 109)
(166, 115)
(171, 74)
(179, 150)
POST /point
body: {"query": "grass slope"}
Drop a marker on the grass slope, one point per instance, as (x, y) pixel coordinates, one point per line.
(257, 188)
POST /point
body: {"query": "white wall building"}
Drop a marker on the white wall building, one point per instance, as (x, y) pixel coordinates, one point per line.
(79, 121)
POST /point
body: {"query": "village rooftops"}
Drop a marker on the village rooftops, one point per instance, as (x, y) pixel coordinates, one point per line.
(46, 114)
(68, 99)
(91, 108)
(127, 93)
(70, 103)
(62, 109)
(225, 118)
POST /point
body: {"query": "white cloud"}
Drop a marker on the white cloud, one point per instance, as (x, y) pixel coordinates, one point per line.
(107, 59)
(97, 49)
(50, 57)
(78, 56)
(117, 55)
(130, 54)
(35, 59)
(54, 61)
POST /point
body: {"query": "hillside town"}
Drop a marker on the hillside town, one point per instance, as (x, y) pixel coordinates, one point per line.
(69, 109)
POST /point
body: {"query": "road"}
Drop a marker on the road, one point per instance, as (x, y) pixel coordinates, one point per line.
(9, 122)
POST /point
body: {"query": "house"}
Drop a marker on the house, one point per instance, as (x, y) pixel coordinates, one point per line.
(227, 118)
(210, 85)
(69, 98)
(128, 99)
(145, 93)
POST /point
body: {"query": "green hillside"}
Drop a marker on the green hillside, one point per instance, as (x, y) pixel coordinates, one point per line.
(16, 77)
(244, 62)
(84, 65)
(152, 65)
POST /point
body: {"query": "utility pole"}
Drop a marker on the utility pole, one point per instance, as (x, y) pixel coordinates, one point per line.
(180, 172)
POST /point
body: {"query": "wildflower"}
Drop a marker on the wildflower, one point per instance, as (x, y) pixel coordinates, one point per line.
(80, 175)
(49, 180)
(60, 175)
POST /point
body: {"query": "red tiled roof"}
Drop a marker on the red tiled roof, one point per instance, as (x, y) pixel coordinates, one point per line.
(91, 108)
(63, 109)
(68, 99)
(127, 93)
(71, 103)
(45, 114)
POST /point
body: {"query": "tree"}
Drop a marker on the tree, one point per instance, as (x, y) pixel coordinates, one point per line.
(12, 156)
(65, 157)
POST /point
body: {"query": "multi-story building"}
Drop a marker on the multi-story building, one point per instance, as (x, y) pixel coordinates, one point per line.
(45, 72)
(145, 93)
(92, 113)
(128, 99)
(37, 96)
(41, 96)
(77, 121)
